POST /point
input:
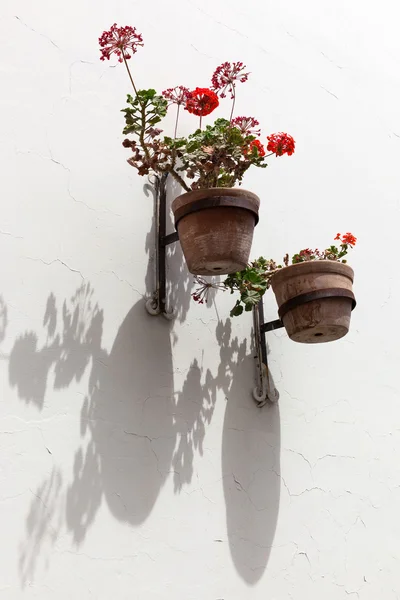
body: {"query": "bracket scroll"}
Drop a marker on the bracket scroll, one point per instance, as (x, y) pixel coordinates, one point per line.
(264, 391)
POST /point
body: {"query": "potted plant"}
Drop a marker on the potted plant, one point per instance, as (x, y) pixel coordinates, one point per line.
(215, 220)
(314, 293)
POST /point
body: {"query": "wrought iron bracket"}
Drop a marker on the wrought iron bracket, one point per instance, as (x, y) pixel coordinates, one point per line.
(156, 305)
(264, 391)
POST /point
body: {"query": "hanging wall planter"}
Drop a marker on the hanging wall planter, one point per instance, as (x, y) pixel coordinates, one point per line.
(315, 300)
(215, 228)
(314, 294)
(215, 219)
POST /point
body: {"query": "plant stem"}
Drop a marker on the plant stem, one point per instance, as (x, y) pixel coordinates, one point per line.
(233, 103)
(129, 73)
(176, 122)
(200, 122)
(179, 179)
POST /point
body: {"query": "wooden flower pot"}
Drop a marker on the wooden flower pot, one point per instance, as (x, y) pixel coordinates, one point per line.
(315, 300)
(215, 229)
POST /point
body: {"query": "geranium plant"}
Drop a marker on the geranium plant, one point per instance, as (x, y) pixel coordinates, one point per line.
(252, 283)
(217, 155)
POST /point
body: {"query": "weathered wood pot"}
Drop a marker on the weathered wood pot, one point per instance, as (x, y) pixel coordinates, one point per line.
(315, 300)
(215, 229)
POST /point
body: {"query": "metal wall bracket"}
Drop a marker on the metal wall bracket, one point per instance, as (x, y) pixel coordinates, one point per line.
(156, 305)
(264, 391)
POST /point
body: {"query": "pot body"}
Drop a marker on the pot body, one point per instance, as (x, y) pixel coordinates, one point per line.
(324, 319)
(216, 228)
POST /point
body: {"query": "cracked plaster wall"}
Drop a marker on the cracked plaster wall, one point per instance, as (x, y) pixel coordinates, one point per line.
(133, 461)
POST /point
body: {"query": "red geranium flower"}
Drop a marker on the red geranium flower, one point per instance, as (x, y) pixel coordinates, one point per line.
(120, 40)
(347, 238)
(246, 125)
(202, 102)
(280, 143)
(255, 144)
(225, 75)
(177, 95)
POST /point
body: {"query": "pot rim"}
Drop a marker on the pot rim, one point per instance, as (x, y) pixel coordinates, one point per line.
(313, 266)
(197, 200)
(200, 194)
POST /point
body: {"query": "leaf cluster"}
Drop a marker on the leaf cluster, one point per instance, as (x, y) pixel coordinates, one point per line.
(251, 283)
(217, 156)
(145, 110)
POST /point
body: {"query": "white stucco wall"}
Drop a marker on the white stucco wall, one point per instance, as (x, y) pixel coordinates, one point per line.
(133, 460)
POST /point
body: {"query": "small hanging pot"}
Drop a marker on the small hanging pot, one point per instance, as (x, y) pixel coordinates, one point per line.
(215, 229)
(315, 300)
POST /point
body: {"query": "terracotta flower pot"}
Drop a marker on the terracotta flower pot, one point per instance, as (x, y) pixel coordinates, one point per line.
(215, 229)
(315, 300)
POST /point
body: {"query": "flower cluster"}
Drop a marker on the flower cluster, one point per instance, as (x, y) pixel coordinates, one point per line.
(178, 95)
(280, 143)
(255, 144)
(215, 155)
(306, 255)
(347, 238)
(225, 76)
(332, 253)
(246, 125)
(200, 294)
(121, 41)
(201, 102)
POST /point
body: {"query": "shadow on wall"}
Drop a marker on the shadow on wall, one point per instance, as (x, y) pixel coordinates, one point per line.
(68, 352)
(137, 431)
(251, 477)
(43, 524)
(128, 422)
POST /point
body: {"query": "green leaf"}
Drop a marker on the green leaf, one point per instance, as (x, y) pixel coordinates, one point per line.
(146, 95)
(130, 129)
(251, 298)
(221, 123)
(236, 310)
(253, 277)
(153, 121)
